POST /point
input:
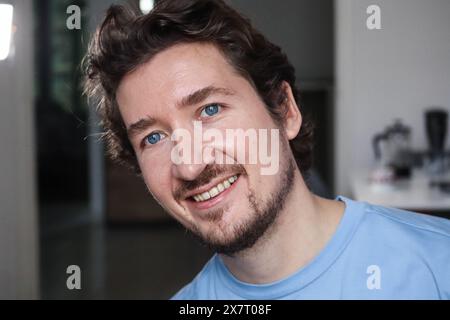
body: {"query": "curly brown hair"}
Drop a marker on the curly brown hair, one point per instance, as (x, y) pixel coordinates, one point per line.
(125, 40)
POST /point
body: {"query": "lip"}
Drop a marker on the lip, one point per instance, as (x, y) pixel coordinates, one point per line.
(213, 201)
(208, 186)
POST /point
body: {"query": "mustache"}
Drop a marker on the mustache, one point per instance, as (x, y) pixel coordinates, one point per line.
(209, 173)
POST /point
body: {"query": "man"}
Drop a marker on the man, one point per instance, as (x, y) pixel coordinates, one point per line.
(191, 64)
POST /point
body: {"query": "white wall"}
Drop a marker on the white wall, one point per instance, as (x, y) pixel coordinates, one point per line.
(396, 72)
(18, 213)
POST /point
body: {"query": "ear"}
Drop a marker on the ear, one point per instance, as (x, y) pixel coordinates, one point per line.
(293, 117)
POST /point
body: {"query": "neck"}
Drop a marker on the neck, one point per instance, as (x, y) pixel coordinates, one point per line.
(301, 231)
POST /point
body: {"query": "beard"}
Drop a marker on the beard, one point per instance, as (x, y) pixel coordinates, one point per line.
(262, 215)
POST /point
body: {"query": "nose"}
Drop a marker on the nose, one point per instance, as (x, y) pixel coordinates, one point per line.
(192, 162)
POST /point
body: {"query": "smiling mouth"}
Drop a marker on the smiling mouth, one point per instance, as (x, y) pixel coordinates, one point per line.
(216, 190)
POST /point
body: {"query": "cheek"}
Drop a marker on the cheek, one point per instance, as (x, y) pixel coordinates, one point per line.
(248, 142)
(158, 186)
(155, 170)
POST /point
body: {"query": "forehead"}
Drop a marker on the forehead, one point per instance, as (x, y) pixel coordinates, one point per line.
(175, 73)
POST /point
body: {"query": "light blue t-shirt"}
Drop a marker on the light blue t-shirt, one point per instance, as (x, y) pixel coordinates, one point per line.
(375, 253)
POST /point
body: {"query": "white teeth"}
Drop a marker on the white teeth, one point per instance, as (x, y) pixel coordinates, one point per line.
(206, 195)
(214, 191)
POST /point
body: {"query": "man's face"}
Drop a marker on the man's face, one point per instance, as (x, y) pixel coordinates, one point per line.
(194, 82)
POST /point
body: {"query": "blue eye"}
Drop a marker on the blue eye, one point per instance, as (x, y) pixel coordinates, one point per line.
(153, 138)
(210, 110)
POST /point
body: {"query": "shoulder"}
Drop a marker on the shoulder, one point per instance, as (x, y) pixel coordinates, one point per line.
(411, 249)
(199, 287)
(415, 244)
(411, 224)
(420, 236)
(400, 222)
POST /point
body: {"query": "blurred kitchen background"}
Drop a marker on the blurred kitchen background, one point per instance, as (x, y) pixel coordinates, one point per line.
(379, 98)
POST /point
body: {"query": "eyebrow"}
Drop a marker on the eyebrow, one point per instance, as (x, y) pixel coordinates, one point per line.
(139, 126)
(194, 98)
(202, 94)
